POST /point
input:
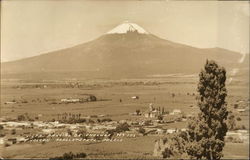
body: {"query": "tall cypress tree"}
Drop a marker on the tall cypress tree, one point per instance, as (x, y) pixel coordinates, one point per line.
(207, 132)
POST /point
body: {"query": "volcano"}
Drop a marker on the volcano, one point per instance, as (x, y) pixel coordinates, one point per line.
(128, 50)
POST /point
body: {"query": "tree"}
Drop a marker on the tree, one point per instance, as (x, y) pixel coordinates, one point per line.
(175, 146)
(207, 132)
(69, 156)
(138, 112)
(231, 123)
(92, 98)
(13, 131)
(122, 127)
(160, 117)
(21, 118)
(142, 131)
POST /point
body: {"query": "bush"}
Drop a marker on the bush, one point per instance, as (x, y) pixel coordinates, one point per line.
(6, 145)
(21, 118)
(24, 101)
(106, 120)
(243, 127)
(173, 95)
(236, 106)
(2, 134)
(122, 127)
(91, 121)
(138, 112)
(111, 132)
(92, 98)
(231, 124)
(230, 139)
(142, 130)
(147, 123)
(80, 155)
(240, 127)
(167, 153)
(93, 116)
(70, 156)
(160, 117)
(233, 140)
(13, 131)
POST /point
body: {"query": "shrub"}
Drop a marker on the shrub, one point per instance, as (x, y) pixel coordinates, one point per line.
(13, 131)
(147, 123)
(138, 112)
(167, 153)
(231, 124)
(92, 98)
(160, 117)
(81, 155)
(142, 130)
(122, 127)
(6, 145)
(236, 106)
(230, 139)
(106, 120)
(238, 119)
(24, 101)
(2, 134)
(91, 121)
(93, 116)
(21, 118)
(111, 132)
(69, 155)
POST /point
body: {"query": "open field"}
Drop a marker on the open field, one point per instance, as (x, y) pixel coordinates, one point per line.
(43, 100)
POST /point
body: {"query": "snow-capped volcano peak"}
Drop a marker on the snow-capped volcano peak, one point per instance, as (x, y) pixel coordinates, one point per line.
(127, 27)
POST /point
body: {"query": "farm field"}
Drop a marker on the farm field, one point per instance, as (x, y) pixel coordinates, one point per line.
(113, 101)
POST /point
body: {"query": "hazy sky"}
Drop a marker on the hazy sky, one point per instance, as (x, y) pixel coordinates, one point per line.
(33, 27)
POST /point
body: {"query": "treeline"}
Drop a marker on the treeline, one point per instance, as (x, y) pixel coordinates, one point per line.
(70, 156)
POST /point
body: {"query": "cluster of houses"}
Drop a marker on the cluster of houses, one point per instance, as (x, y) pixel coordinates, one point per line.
(46, 130)
(238, 136)
(160, 111)
(84, 98)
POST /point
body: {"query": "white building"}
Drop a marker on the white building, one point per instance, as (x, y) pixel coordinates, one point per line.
(175, 112)
(70, 100)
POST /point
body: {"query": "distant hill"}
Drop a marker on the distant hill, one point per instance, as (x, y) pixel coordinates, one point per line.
(125, 51)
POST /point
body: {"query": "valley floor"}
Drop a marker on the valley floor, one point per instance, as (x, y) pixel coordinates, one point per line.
(34, 102)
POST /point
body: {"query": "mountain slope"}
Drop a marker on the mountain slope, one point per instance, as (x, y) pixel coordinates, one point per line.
(124, 52)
